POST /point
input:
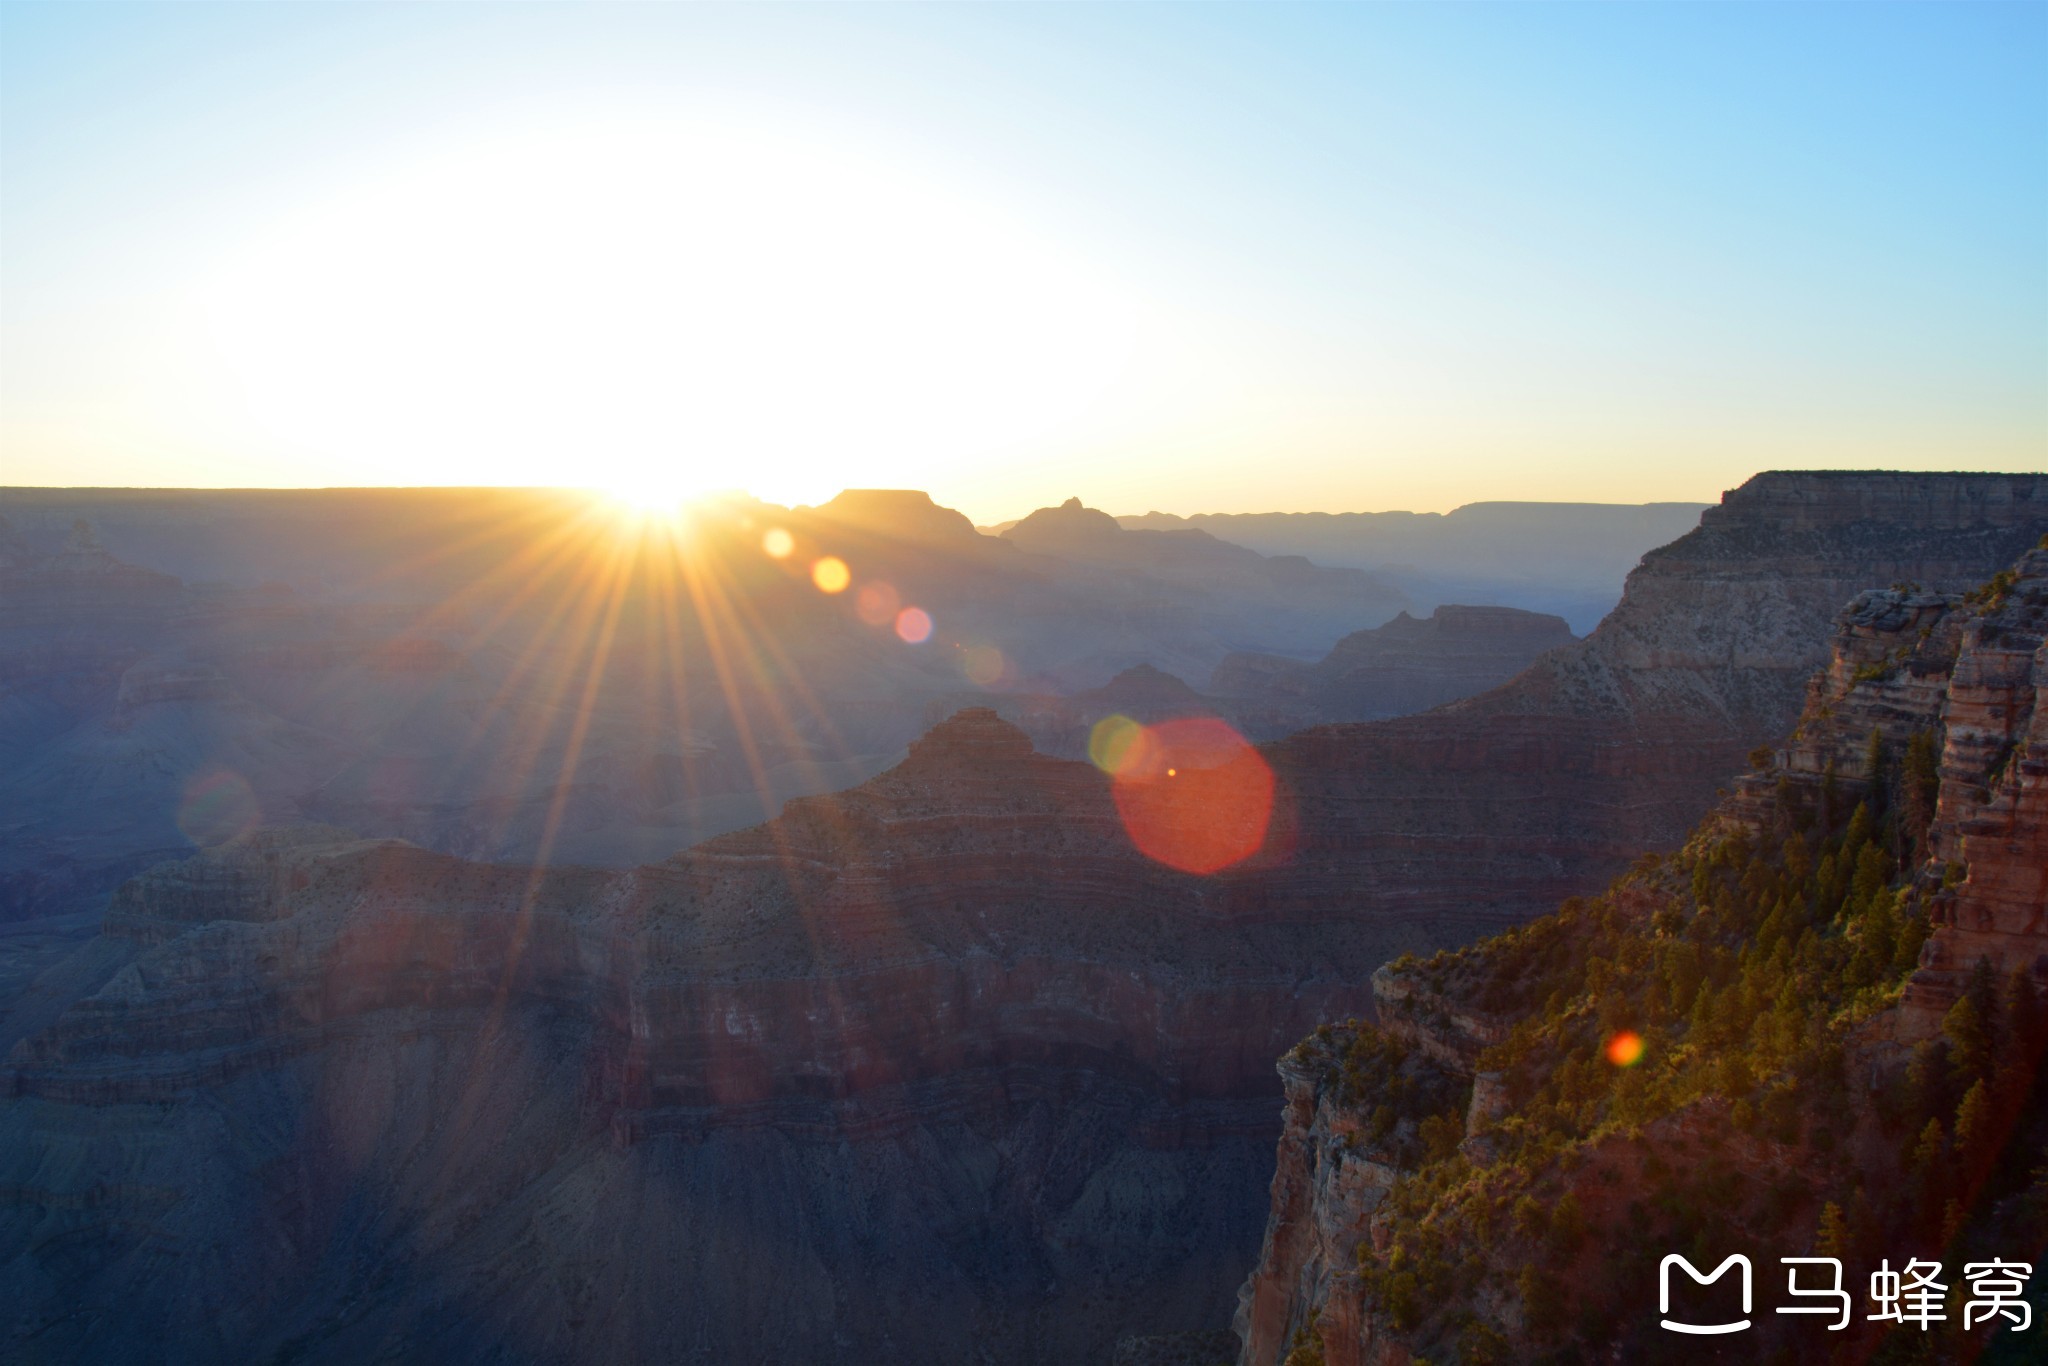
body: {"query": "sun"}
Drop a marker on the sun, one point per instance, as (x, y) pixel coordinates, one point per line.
(654, 305)
(650, 493)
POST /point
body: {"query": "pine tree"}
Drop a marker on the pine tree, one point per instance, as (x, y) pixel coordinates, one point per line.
(1831, 1237)
(1974, 1124)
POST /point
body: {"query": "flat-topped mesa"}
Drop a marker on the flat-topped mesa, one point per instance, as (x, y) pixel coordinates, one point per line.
(1458, 619)
(1808, 500)
(905, 514)
(1498, 806)
(1725, 623)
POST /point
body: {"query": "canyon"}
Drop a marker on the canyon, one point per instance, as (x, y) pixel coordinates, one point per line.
(1932, 704)
(937, 1068)
(531, 674)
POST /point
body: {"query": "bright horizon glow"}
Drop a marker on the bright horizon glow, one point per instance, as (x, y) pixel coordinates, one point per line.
(652, 304)
(1217, 258)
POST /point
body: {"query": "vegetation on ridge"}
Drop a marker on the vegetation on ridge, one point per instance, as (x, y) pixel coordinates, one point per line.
(1746, 966)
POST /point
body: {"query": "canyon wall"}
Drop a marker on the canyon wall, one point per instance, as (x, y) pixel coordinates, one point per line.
(1490, 810)
(1931, 709)
(934, 1070)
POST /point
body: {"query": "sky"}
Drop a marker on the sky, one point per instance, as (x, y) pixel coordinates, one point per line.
(1189, 258)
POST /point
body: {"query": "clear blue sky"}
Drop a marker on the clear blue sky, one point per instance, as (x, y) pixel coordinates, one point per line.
(1194, 258)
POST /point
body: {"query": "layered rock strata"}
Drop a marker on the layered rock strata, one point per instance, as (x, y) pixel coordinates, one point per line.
(937, 1069)
(1934, 699)
(1491, 809)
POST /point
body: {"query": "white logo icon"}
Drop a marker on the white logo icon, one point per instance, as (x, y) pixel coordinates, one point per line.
(1664, 1292)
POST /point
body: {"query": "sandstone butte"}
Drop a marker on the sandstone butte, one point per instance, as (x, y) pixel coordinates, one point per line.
(1968, 673)
(935, 1069)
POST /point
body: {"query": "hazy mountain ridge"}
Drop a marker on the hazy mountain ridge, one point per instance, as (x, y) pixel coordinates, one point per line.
(939, 1065)
(1499, 806)
(1563, 558)
(1407, 665)
(435, 664)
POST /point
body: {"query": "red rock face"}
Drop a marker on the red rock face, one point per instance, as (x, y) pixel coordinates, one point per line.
(1992, 817)
(934, 1066)
(1490, 810)
(1971, 671)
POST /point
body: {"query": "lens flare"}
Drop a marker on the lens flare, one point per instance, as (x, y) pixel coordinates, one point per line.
(831, 575)
(877, 604)
(778, 543)
(1193, 794)
(914, 624)
(1625, 1049)
(1115, 742)
(984, 664)
(218, 808)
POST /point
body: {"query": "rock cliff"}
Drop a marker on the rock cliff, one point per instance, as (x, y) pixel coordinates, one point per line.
(1830, 1002)
(1491, 809)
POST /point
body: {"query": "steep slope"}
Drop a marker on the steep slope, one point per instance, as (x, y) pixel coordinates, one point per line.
(935, 1070)
(1818, 1028)
(1494, 808)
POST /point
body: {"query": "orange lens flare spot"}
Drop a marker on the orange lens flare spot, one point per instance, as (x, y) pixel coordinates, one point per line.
(1114, 743)
(1192, 794)
(831, 575)
(877, 604)
(984, 664)
(778, 543)
(1625, 1049)
(914, 624)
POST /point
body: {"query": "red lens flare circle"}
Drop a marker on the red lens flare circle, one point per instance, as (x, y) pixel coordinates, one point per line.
(1625, 1049)
(1192, 794)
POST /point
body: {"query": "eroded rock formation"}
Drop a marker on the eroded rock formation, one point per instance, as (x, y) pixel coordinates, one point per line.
(1492, 809)
(1930, 713)
(937, 1069)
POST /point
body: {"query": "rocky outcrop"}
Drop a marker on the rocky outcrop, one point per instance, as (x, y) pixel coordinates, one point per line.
(936, 1069)
(1929, 710)
(1494, 808)
(1955, 683)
